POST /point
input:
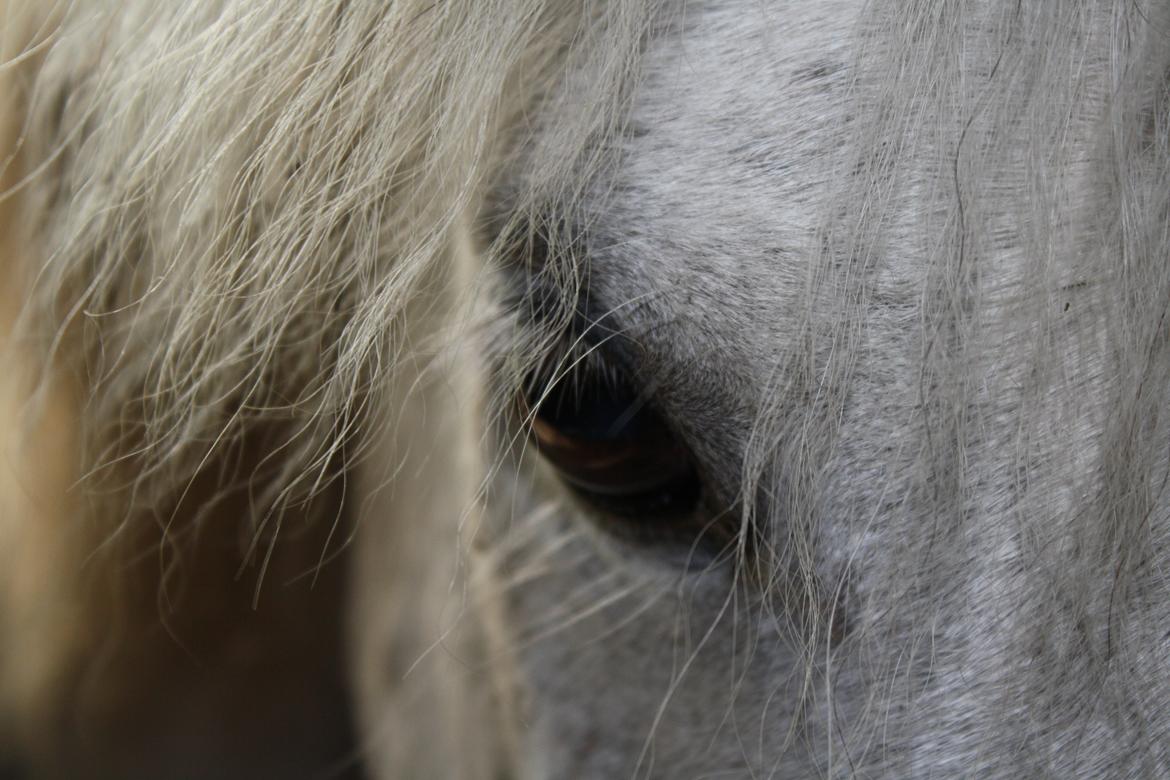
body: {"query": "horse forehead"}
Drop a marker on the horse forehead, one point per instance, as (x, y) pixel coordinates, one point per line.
(725, 169)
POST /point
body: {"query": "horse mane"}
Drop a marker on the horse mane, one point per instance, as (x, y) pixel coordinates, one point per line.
(233, 212)
(232, 217)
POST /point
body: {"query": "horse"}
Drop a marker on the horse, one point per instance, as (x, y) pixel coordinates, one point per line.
(533, 388)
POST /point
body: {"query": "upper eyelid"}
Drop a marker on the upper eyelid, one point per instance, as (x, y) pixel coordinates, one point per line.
(539, 303)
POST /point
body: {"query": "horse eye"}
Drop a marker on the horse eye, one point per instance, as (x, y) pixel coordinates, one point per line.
(611, 447)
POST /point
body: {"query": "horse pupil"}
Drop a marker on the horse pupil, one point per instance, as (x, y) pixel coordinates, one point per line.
(592, 410)
(612, 448)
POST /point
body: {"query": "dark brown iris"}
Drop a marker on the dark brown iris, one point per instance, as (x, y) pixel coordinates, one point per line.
(610, 446)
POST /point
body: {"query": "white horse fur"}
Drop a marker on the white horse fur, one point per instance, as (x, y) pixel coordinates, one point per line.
(898, 272)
